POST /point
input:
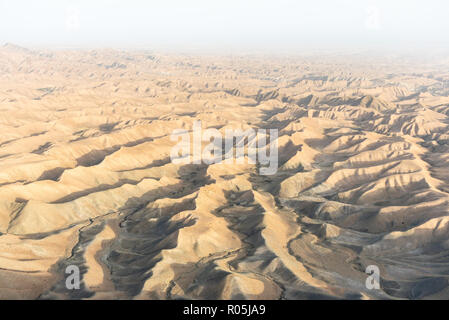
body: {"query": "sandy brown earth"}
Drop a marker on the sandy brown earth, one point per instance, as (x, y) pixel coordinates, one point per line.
(86, 177)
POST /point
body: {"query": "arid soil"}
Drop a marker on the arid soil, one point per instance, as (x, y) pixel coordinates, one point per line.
(86, 177)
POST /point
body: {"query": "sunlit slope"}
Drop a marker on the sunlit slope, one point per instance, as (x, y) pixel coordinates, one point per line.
(86, 177)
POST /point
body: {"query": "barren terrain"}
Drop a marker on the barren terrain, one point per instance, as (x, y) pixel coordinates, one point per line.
(86, 177)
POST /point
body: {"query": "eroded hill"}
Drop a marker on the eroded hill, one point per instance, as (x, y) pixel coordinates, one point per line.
(86, 177)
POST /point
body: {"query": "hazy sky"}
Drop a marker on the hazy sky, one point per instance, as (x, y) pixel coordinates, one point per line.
(226, 24)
